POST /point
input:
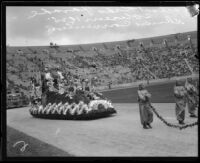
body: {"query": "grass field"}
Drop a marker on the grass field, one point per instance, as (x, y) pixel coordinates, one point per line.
(161, 93)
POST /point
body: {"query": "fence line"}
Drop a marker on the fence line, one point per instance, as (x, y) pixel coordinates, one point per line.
(151, 82)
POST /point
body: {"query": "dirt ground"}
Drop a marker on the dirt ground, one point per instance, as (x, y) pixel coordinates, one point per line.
(119, 135)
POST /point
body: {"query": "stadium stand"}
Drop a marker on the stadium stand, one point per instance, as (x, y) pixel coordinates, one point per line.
(116, 62)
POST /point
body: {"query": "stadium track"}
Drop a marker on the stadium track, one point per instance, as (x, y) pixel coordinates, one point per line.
(118, 135)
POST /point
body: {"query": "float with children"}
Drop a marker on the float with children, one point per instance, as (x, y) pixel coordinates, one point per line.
(63, 98)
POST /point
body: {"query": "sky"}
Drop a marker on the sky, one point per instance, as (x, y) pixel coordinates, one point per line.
(38, 26)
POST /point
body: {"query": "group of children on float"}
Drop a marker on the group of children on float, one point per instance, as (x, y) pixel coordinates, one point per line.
(60, 88)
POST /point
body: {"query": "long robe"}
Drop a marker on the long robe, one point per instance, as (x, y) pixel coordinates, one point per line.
(191, 98)
(146, 114)
(180, 99)
(44, 89)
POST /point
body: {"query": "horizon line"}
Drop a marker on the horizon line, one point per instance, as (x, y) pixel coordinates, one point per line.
(99, 42)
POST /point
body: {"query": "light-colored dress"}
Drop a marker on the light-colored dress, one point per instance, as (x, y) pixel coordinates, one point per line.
(146, 114)
(61, 88)
(60, 75)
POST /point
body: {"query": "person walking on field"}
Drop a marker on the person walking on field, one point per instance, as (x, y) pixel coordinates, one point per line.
(146, 114)
(191, 97)
(180, 94)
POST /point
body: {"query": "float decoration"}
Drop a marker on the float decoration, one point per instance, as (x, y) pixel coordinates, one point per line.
(81, 105)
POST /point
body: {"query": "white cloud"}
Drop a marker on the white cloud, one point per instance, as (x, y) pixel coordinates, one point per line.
(94, 24)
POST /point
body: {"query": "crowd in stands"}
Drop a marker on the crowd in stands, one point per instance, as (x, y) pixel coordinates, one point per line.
(121, 65)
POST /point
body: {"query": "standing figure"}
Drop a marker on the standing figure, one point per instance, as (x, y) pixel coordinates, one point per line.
(45, 78)
(55, 76)
(32, 88)
(60, 74)
(146, 114)
(180, 99)
(109, 84)
(35, 88)
(93, 83)
(83, 84)
(61, 88)
(87, 85)
(191, 97)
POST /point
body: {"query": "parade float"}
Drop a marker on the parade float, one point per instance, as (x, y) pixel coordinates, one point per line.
(71, 105)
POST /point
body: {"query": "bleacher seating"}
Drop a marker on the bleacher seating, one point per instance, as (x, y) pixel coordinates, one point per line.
(122, 64)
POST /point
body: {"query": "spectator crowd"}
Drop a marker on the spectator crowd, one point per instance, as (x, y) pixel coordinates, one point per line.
(102, 68)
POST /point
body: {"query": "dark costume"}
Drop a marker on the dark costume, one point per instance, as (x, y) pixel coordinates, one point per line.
(44, 89)
(146, 115)
(180, 99)
(191, 98)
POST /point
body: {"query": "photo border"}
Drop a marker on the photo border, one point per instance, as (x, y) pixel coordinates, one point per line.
(5, 4)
